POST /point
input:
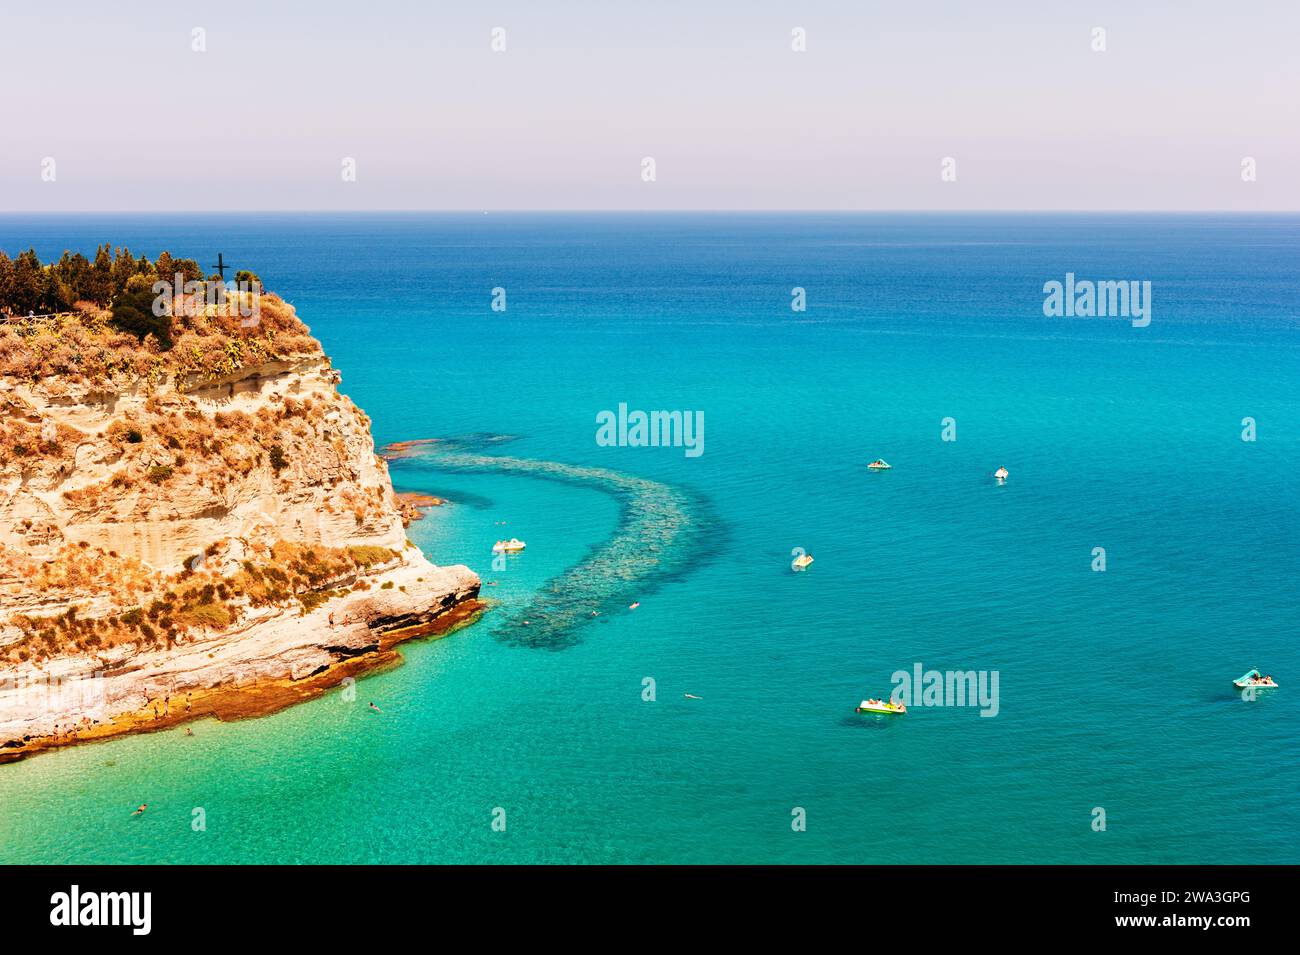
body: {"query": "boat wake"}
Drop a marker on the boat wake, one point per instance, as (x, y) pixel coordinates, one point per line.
(661, 528)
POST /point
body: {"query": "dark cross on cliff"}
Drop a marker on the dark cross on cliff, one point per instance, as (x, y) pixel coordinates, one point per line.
(221, 267)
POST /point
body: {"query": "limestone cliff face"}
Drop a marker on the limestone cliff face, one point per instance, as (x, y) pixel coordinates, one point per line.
(217, 439)
(175, 532)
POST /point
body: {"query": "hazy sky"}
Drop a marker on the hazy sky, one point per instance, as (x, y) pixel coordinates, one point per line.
(134, 119)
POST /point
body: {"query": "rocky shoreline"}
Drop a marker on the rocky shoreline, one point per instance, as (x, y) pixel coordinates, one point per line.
(246, 700)
(412, 505)
(264, 663)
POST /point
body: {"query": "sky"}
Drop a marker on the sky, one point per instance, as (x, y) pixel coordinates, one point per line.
(109, 107)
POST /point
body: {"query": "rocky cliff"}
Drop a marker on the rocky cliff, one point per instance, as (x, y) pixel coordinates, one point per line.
(205, 529)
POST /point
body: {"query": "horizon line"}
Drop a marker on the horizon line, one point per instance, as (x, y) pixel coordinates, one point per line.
(683, 211)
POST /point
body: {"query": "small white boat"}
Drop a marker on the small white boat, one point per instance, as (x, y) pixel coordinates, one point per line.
(512, 546)
(880, 706)
(1001, 474)
(802, 561)
(880, 464)
(1255, 679)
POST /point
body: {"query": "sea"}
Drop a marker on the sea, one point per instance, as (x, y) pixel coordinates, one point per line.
(1142, 553)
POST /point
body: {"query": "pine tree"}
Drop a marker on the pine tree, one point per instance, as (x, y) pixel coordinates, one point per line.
(189, 269)
(166, 267)
(30, 283)
(72, 272)
(100, 286)
(59, 295)
(6, 283)
(123, 269)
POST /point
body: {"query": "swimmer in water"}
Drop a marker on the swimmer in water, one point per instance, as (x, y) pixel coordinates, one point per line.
(634, 605)
(143, 807)
(375, 708)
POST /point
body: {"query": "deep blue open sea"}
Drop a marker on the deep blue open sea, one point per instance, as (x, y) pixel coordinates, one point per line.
(1114, 686)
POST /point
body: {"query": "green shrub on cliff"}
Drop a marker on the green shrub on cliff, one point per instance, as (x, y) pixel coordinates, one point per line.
(133, 313)
(367, 556)
(205, 615)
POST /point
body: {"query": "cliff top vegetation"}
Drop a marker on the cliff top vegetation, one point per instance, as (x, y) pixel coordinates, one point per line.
(111, 320)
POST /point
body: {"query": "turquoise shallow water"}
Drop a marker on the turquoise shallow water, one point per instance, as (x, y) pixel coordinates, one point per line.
(1114, 687)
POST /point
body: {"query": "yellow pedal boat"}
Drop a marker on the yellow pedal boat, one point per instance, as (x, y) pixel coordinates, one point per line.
(880, 706)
